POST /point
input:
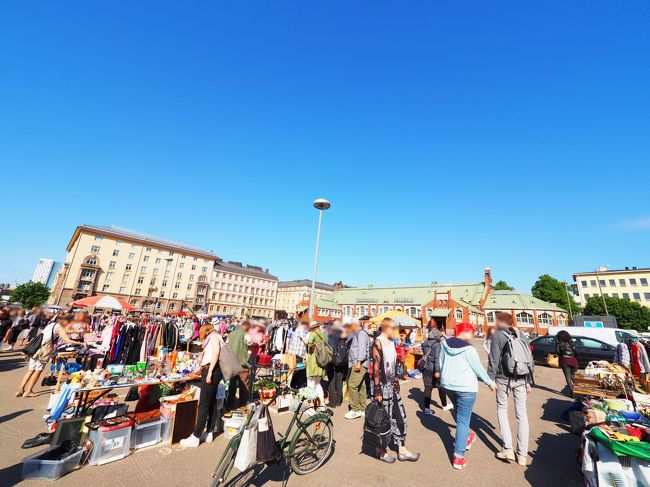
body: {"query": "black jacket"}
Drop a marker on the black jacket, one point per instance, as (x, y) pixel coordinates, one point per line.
(563, 349)
(433, 362)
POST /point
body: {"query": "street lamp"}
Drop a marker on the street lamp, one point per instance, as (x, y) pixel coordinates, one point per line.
(320, 204)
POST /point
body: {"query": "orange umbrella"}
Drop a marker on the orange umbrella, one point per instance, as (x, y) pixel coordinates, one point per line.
(103, 302)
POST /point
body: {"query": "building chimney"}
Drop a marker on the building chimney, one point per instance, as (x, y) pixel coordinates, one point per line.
(488, 277)
(338, 285)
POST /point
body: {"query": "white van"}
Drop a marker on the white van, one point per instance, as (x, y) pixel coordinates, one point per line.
(612, 336)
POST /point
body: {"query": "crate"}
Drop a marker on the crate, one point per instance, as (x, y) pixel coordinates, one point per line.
(146, 434)
(110, 445)
(37, 469)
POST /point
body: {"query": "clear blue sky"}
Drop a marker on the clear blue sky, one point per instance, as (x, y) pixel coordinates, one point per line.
(448, 137)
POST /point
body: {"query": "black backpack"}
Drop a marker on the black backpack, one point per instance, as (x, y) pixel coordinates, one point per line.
(340, 352)
(376, 426)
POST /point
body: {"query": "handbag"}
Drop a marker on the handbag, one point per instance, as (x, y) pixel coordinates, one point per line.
(34, 345)
(247, 450)
(422, 363)
(268, 449)
(553, 360)
(228, 362)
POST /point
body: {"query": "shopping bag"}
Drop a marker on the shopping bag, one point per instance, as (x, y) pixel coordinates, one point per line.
(553, 361)
(268, 449)
(228, 362)
(247, 451)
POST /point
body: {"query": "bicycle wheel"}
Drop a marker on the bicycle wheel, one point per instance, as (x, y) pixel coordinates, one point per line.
(224, 467)
(310, 448)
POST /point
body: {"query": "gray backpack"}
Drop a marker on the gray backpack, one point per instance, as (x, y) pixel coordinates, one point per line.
(517, 358)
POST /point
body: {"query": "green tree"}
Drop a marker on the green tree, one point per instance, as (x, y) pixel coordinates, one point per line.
(502, 286)
(30, 294)
(629, 314)
(549, 289)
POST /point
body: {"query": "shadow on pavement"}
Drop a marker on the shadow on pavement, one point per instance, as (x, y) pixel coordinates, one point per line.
(11, 362)
(11, 475)
(554, 464)
(15, 414)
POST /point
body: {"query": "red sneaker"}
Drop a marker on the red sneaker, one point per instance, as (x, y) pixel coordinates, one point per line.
(459, 463)
(470, 440)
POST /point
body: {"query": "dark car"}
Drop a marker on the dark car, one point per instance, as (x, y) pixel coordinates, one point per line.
(588, 349)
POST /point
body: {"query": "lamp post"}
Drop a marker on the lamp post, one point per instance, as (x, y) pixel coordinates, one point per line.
(320, 204)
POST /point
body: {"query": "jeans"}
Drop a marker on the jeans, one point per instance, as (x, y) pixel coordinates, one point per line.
(357, 389)
(569, 376)
(518, 389)
(208, 401)
(463, 404)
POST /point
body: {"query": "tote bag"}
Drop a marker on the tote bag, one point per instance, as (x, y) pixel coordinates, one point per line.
(247, 451)
(268, 449)
(228, 361)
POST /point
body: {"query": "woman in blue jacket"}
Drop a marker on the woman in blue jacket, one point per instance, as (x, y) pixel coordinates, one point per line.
(460, 370)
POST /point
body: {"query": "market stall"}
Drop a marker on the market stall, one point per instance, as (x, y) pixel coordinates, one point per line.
(612, 416)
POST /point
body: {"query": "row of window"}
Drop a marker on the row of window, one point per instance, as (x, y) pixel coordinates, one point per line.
(96, 249)
(635, 296)
(643, 281)
(234, 298)
(240, 288)
(246, 279)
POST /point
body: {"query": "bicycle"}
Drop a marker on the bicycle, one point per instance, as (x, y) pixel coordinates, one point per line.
(306, 449)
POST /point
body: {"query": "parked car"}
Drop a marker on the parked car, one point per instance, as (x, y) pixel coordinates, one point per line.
(613, 336)
(588, 349)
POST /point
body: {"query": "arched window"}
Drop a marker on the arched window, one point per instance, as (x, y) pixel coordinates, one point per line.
(399, 308)
(373, 310)
(491, 316)
(412, 311)
(524, 318)
(92, 260)
(384, 309)
(348, 310)
(362, 311)
(545, 319)
(561, 320)
(429, 313)
(459, 314)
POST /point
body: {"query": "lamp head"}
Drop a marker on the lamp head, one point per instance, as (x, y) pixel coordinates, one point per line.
(321, 204)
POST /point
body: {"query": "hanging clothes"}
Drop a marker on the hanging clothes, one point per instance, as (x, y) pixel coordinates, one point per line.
(622, 355)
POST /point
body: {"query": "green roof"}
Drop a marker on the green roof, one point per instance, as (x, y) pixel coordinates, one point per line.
(503, 300)
(417, 295)
(326, 303)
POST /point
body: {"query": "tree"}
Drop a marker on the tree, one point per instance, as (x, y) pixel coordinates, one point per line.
(629, 314)
(31, 294)
(502, 286)
(549, 289)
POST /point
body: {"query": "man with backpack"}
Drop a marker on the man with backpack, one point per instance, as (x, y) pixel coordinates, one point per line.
(511, 366)
(338, 368)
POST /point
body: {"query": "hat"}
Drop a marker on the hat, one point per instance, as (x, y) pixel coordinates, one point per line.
(214, 321)
(351, 321)
(313, 324)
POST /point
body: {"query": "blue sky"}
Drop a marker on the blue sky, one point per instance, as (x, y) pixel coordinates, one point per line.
(447, 136)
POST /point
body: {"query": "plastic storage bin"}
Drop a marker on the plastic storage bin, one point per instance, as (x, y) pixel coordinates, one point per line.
(111, 444)
(36, 469)
(166, 430)
(146, 434)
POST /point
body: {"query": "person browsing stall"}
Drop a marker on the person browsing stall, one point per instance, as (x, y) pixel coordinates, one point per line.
(210, 377)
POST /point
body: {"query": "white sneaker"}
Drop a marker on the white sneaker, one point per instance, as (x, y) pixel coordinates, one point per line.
(209, 438)
(448, 407)
(428, 411)
(191, 441)
(523, 461)
(352, 414)
(7, 349)
(508, 455)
